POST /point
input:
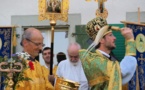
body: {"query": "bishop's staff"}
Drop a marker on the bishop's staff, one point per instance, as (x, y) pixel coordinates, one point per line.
(53, 10)
(52, 23)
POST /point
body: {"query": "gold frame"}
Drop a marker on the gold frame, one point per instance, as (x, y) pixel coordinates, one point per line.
(44, 14)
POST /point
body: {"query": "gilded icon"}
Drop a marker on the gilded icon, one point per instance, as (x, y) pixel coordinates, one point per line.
(53, 6)
(53, 10)
(140, 43)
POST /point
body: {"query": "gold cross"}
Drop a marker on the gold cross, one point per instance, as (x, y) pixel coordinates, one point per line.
(10, 71)
(141, 55)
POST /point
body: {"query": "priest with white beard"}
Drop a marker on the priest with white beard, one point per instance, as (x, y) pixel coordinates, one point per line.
(72, 69)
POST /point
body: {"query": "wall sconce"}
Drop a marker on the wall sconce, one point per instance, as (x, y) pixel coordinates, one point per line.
(18, 35)
(75, 34)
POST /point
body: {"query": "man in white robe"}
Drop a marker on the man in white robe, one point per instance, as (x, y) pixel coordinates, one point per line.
(72, 69)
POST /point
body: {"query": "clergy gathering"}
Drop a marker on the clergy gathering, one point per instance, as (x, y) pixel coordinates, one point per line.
(72, 45)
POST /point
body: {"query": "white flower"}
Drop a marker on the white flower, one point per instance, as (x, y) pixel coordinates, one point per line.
(23, 55)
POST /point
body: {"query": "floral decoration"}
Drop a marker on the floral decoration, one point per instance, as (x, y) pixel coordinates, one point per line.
(18, 77)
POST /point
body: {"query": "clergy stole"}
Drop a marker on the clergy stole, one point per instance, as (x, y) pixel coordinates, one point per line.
(113, 58)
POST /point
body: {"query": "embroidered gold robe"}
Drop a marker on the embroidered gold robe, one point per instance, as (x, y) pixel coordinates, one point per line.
(39, 78)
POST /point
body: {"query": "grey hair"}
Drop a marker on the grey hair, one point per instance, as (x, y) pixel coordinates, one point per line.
(26, 35)
(74, 43)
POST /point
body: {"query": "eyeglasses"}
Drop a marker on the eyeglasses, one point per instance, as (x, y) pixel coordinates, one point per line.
(37, 44)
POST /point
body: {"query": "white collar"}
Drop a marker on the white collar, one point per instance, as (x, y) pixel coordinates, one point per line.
(104, 53)
(46, 66)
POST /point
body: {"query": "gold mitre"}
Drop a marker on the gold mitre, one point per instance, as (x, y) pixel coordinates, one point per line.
(96, 27)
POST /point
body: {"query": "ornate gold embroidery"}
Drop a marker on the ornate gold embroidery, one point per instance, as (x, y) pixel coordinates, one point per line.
(100, 79)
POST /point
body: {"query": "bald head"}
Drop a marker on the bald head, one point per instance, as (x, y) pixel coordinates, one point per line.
(30, 32)
(73, 52)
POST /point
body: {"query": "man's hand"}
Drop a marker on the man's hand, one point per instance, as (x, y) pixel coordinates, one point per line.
(51, 79)
(127, 33)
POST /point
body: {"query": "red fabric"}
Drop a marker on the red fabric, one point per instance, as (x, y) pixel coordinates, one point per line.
(31, 65)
